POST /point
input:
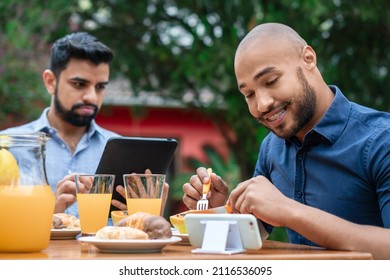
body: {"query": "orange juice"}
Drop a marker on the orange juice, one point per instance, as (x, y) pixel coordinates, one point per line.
(148, 205)
(26, 214)
(93, 211)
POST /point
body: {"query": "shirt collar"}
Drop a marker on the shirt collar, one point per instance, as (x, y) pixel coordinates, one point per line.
(335, 119)
(42, 123)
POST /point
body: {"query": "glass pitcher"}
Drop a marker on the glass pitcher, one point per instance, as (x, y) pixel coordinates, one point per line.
(26, 199)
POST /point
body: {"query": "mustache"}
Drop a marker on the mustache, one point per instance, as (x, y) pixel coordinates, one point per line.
(282, 105)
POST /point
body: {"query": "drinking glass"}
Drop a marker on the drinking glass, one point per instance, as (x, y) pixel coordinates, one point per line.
(144, 193)
(94, 193)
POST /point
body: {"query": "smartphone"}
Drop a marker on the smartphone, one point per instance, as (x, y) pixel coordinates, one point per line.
(251, 230)
(123, 155)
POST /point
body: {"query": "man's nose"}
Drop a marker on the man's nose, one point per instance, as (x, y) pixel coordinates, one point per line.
(264, 101)
(90, 95)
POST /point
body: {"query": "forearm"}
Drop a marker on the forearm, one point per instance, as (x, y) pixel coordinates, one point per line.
(333, 232)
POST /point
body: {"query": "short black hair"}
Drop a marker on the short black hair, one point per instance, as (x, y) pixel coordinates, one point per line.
(80, 45)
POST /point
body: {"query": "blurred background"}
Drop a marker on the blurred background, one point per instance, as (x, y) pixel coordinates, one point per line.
(173, 76)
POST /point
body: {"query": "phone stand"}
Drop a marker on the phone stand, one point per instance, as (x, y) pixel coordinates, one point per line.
(220, 237)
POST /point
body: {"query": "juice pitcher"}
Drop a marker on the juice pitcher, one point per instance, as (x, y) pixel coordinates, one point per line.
(26, 199)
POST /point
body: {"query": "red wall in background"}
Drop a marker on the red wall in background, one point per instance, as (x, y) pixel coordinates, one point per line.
(188, 127)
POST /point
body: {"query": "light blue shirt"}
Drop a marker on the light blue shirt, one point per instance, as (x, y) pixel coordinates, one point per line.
(342, 167)
(59, 160)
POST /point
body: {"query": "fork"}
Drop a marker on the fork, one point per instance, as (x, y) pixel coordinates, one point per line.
(203, 203)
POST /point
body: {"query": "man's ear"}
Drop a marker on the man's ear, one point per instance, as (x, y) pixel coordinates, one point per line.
(50, 81)
(309, 57)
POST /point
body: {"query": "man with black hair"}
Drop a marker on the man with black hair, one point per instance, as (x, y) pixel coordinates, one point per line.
(76, 80)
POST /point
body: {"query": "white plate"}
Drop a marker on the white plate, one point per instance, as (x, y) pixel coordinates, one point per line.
(64, 233)
(129, 246)
(183, 236)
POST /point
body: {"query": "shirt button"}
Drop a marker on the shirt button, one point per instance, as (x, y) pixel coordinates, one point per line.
(299, 194)
(63, 146)
(300, 157)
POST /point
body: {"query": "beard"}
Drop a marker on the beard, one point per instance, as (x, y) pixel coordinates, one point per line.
(70, 116)
(305, 105)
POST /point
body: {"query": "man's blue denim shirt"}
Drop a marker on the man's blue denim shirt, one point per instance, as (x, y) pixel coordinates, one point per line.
(59, 160)
(342, 167)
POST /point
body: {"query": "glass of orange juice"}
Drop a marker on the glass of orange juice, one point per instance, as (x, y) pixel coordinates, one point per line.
(94, 193)
(144, 193)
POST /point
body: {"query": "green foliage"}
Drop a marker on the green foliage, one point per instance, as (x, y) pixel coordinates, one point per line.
(25, 28)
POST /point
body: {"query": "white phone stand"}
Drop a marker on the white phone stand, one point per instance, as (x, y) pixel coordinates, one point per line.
(220, 237)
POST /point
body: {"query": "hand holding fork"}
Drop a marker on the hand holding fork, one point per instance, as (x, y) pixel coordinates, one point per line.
(203, 203)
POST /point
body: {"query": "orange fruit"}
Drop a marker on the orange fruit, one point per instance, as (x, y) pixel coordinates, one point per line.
(9, 170)
(118, 215)
(178, 223)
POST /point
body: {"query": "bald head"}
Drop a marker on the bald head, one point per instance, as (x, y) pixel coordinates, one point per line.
(277, 73)
(271, 34)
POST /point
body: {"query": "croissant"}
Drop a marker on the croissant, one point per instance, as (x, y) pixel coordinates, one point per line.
(63, 220)
(156, 227)
(113, 232)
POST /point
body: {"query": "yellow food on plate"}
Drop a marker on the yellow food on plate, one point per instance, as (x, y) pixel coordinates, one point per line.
(118, 215)
(114, 232)
(9, 170)
(64, 220)
(178, 223)
(177, 220)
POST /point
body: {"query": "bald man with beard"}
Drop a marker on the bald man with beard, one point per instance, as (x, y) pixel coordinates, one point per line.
(323, 171)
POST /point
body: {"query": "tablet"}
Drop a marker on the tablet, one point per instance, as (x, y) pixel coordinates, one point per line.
(251, 230)
(123, 155)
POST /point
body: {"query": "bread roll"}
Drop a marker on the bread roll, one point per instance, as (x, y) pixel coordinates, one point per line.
(63, 220)
(156, 227)
(113, 232)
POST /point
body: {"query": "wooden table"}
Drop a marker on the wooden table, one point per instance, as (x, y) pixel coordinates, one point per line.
(271, 250)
